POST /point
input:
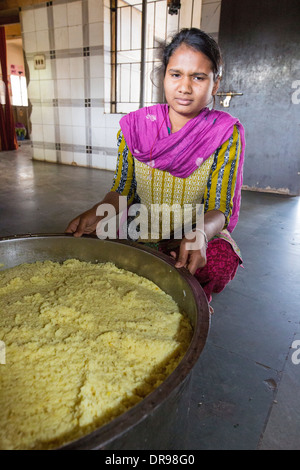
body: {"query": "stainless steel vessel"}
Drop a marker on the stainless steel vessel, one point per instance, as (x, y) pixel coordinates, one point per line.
(158, 422)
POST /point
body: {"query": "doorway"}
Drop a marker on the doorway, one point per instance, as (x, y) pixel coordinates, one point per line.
(16, 72)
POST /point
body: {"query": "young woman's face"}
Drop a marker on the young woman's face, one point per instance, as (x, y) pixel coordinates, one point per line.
(189, 83)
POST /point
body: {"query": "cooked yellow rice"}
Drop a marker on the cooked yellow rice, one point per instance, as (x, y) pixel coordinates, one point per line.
(83, 343)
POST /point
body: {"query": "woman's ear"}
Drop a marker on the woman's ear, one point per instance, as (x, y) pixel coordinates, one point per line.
(216, 86)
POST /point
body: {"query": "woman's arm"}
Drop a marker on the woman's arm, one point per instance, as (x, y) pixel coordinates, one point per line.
(124, 184)
(218, 202)
(192, 252)
(220, 188)
(86, 222)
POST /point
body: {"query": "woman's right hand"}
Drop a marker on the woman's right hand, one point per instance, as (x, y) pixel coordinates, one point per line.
(84, 223)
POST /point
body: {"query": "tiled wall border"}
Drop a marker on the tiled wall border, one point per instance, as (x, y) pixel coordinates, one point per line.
(67, 53)
(48, 4)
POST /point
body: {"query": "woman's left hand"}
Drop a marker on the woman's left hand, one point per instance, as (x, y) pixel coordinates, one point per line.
(192, 254)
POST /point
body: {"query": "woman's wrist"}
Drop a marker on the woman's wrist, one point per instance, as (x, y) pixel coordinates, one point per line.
(214, 222)
(204, 235)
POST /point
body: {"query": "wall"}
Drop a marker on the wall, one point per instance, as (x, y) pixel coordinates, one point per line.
(260, 43)
(14, 53)
(67, 98)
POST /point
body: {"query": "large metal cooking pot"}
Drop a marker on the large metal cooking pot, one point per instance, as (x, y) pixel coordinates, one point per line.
(158, 421)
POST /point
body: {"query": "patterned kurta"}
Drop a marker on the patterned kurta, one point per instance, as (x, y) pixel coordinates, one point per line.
(212, 184)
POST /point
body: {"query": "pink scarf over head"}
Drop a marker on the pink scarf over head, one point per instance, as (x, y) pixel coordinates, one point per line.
(148, 139)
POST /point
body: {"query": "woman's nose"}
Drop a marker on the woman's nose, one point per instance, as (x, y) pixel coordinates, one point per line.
(185, 85)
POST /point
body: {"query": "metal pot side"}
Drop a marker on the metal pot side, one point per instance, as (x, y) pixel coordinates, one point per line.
(159, 420)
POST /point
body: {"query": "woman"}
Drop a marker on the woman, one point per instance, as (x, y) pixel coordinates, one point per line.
(184, 153)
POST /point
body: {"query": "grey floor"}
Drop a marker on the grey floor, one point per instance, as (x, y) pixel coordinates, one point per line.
(246, 386)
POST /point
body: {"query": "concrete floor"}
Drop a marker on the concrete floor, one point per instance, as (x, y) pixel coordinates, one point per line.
(245, 387)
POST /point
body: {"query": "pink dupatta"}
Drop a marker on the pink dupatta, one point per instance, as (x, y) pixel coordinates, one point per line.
(148, 139)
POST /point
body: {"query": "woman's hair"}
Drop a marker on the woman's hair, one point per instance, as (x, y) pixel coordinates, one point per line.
(198, 40)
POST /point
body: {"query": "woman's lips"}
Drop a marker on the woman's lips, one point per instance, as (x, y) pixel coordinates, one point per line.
(182, 101)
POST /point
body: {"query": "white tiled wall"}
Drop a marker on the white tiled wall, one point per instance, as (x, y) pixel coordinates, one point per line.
(69, 97)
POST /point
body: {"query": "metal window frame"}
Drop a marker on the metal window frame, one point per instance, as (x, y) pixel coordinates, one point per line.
(113, 48)
(114, 53)
(115, 7)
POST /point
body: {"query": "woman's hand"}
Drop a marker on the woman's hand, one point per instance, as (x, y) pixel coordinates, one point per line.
(192, 253)
(84, 223)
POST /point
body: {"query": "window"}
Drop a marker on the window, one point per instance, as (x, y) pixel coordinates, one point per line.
(2, 92)
(18, 90)
(139, 29)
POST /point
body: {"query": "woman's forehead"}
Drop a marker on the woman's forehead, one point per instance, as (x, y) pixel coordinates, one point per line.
(187, 58)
